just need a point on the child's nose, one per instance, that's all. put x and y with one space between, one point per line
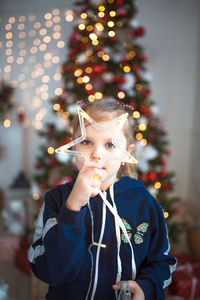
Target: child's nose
96 154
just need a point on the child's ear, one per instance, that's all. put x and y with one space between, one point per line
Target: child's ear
131 148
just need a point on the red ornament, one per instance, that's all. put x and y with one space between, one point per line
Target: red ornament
42 186
163 174
21 116
37 166
152 176
144 177
166 186
135 68
132 104
145 92
119 2
140 31
152 137
53 161
145 110
143 58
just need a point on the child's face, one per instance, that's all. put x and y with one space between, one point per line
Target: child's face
100 149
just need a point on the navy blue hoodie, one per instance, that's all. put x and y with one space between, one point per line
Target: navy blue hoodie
60 257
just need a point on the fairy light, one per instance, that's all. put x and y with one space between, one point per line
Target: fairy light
105 57
143 142
126 69
69 15
136 114
11 20
131 54
88 70
9 35
121 95
138 86
81 26
110 1
91 98
98 95
47 39
89 28
92 36
48 16
95 42
86 79
112 13
110 23
88 87
101 14
111 33
99 26
142 127
101 8
157 185
56 35
80 80
166 214
6 123
89 52
36 196
78 72
100 53
139 136
83 16
58 91
50 150
61 44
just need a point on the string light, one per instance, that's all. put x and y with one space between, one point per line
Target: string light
139 136
110 23
101 8
36 196
101 14
157 185
91 98
112 13
136 114
166 214
83 16
121 95
143 142
50 150
6 123
138 87
142 127
111 33
126 69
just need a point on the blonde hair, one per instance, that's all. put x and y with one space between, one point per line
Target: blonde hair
106 110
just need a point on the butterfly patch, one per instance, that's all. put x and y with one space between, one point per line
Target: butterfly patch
141 230
139 233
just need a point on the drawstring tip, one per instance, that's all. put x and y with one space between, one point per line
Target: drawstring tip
99 245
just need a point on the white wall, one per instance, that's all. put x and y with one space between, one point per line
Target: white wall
172 46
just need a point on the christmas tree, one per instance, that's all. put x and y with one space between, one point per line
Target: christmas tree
105 60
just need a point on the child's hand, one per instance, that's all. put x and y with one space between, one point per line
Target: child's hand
87 182
136 290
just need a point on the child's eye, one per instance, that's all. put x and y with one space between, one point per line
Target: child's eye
110 145
86 142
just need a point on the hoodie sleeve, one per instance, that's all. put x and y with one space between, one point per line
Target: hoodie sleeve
156 272
58 243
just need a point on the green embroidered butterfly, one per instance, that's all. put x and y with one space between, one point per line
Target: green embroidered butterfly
138 236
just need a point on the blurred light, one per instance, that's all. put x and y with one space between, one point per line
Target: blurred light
110 23
98 95
61 44
9 35
99 26
80 80
121 95
57 28
31 18
55 59
9 44
136 114
57 76
11 20
22 35
8 52
166 214
47 39
37 25
112 13
6 123
88 70
43 31
101 14
88 87
10 59
36 196
58 91
95 42
45 79
56 106
142 127
22 19
138 87
32 32
55 11
48 16
49 23
81 26
89 28
105 57
83 16
56 35
111 33
78 72
91 98
8 27
157 185
21 26
101 8
43 47
48 56
139 136
7 69
56 19
69 15
86 79
143 142
126 69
